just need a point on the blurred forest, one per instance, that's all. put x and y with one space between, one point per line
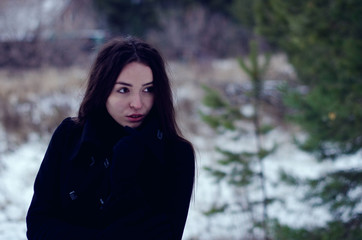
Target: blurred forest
321 39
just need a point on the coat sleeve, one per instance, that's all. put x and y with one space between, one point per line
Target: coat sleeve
181 187
43 220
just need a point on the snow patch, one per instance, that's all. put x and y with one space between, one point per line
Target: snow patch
17 175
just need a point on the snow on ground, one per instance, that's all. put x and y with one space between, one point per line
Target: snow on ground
287 157
18 170
17 175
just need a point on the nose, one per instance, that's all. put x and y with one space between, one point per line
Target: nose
136 101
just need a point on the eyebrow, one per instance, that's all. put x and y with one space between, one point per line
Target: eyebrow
130 85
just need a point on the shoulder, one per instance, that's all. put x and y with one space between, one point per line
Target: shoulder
66 128
67 123
60 138
182 153
182 146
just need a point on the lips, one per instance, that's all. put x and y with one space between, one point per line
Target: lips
135 117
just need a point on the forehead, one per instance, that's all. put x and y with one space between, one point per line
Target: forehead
135 72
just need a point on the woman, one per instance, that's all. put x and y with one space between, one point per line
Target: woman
120 169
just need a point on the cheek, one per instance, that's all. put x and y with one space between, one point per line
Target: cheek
113 103
150 101
120 105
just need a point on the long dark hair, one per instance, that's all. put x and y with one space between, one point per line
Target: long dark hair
110 61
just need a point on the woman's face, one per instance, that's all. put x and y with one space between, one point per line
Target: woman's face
132 96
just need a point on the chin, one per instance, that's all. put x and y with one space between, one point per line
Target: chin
133 125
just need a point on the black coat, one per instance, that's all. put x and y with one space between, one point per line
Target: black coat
103 181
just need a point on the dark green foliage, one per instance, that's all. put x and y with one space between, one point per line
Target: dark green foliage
321 37
341 191
241 171
218 174
265 128
263 153
242 11
289 179
213 99
254 68
238 168
334 230
221 112
131 17
323 40
137 16
332 115
216 210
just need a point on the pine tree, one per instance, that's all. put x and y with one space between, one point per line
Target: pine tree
242 169
323 41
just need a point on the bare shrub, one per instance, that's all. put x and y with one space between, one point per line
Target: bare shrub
198 33
21 119
60 34
36 102
39 53
19 54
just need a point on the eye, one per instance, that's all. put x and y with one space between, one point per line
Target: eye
123 90
149 89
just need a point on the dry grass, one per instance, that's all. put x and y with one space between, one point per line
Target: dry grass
188 77
24 94
27 84
37 100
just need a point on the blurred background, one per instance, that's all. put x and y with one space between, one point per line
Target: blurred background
268 91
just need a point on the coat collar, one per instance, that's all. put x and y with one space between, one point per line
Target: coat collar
96 131
97 136
156 144
87 141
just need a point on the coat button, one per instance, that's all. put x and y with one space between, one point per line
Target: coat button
106 163
93 161
73 195
159 134
102 203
